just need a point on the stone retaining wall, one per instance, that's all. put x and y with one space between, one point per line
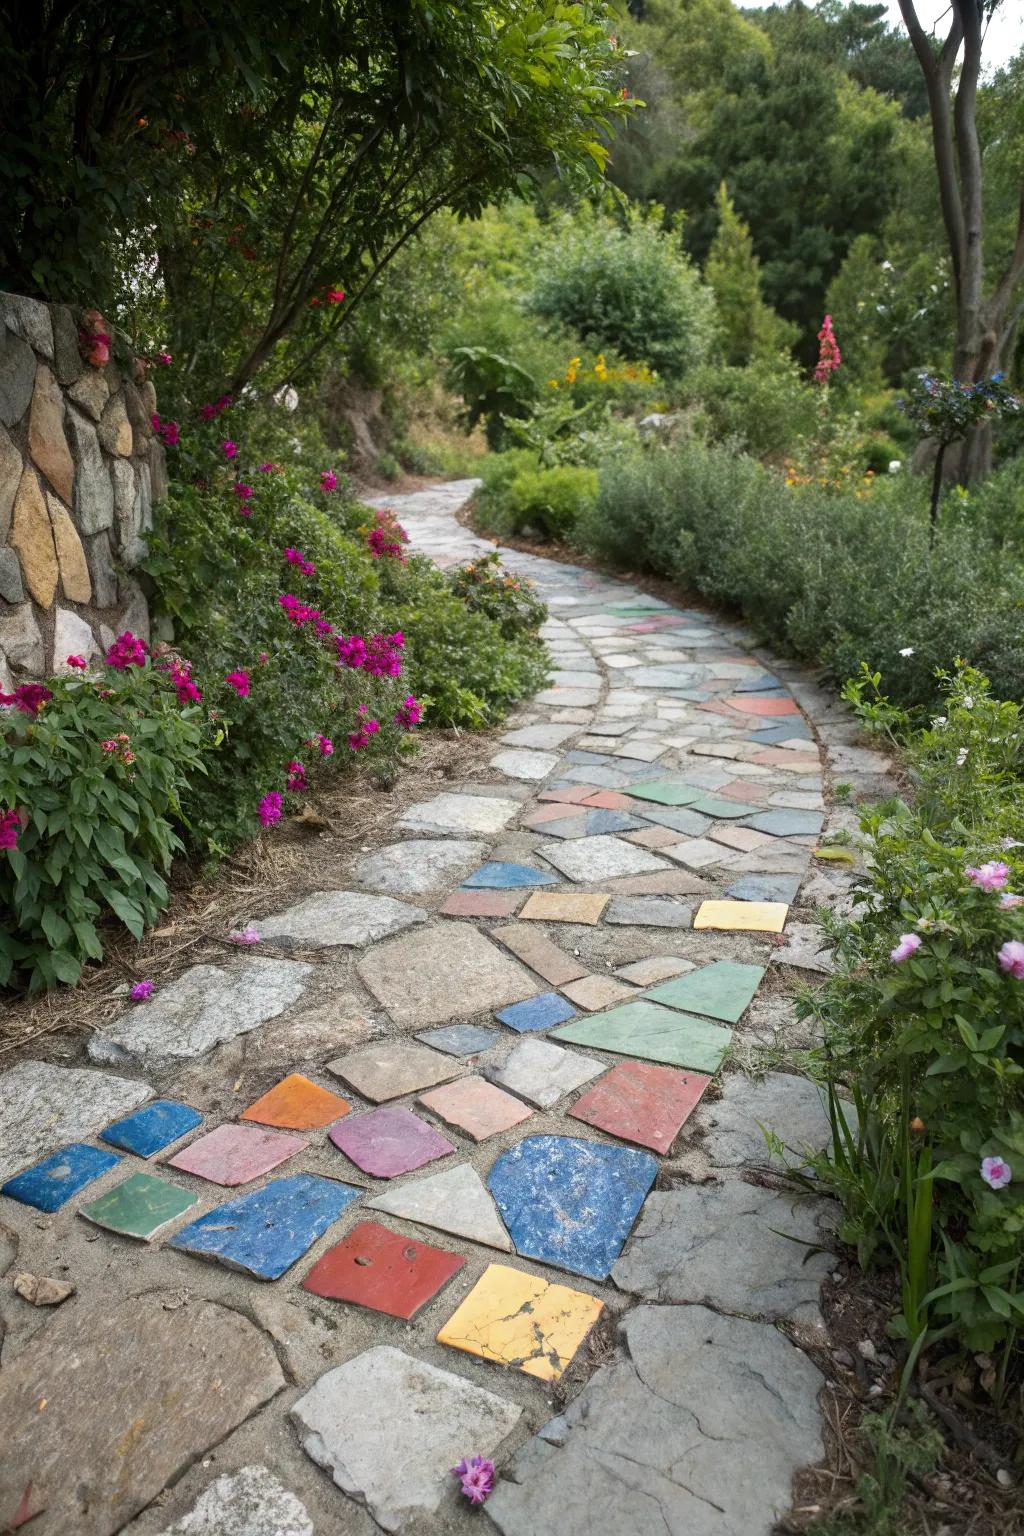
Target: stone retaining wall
80 469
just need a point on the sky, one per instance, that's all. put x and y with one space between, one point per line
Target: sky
1004 38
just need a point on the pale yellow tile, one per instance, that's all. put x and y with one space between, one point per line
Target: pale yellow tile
748 916
520 1320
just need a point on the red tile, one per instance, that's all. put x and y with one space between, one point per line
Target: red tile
544 813
482 903
574 796
376 1268
608 800
751 704
721 709
641 1102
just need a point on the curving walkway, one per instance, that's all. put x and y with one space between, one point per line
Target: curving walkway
467 1144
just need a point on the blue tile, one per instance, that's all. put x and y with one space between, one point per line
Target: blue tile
571 1203
152 1128
774 733
461 1039
506 877
51 1184
786 823
265 1232
765 888
763 684
678 819
601 821
537 1012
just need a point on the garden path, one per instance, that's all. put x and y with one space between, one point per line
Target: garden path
513 1198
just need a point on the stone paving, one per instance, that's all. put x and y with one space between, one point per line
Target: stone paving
464 1161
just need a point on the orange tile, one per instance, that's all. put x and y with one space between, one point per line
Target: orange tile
751 704
296 1104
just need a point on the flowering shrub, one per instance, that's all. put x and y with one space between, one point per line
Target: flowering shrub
924 1024
511 601
94 771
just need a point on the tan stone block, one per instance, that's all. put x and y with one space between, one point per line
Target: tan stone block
74 571
32 537
10 478
115 430
46 441
91 392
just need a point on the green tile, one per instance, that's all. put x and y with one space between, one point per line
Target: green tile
673 792
140 1206
722 990
722 810
652 1033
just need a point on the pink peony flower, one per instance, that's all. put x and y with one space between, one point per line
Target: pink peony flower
269 809
988 877
1011 959
909 942
229 449
10 826
142 991
78 662
246 935
995 1172
476 1474
239 681
328 480
127 651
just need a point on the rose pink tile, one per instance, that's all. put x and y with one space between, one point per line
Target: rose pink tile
234 1154
390 1141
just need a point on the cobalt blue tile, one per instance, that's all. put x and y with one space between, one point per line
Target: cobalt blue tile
571 1203
765 888
265 1232
602 821
51 1184
537 1012
500 876
153 1127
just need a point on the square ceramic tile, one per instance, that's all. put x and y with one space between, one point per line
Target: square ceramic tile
390 1141
297 1104
645 973
139 1206
152 1128
537 1013
53 1182
477 1107
722 990
565 907
235 1154
642 1102
392 1068
376 1268
666 792
742 916
598 991
263 1233
519 1320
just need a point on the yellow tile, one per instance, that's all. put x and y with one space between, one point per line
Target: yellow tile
752 916
517 1319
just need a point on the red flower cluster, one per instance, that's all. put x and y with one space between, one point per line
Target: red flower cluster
127 651
829 355
208 412
27 700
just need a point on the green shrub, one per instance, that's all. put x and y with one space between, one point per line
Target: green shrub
511 601
96 780
497 472
765 407
625 284
548 501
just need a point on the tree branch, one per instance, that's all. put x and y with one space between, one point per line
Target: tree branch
938 73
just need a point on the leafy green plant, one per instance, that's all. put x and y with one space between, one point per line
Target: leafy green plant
95 778
548 500
511 601
493 389
946 410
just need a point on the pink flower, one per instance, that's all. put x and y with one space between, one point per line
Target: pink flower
335 295
298 613
154 422
181 677
264 658
829 355
165 359
380 546
296 557
244 491
988 877
1011 959
909 942
328 480
408 713
267 468
108 746
127 651
171 433
207 412
78 662
351 650
1008 899
995 1172
142 991
269 809
229 449
239 681
296 776
10 826
325 746
477 1478
28 699
246 935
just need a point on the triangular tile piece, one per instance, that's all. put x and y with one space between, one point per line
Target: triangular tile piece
297 1104
654 1034
502 876
722 990
453 1201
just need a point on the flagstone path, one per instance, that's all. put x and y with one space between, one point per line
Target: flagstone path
462 1161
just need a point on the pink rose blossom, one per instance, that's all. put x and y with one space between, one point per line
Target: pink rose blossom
142 991
1011 959
909 942
269 809
988 877
995 1172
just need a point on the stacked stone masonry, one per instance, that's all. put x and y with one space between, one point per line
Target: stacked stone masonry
80 469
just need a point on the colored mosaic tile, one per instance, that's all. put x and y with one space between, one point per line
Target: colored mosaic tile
764 683
476 1106
643 1103
376 1268
565 907
461 1039
652 1033
648 912
678 819
698 853
297 1104
516 1319
234 1154
598 991
764 888
501 876
654 837
392 1068
752 704
743 839
786 823
481 904
537 1012
453 1201
608 800
571 1203
543 1073
645 973
720 809
53 1182
152 1128
599 858
666 792
263 1233
441 974
544 814
539 953
572 794
742 916
722 990
388 1142
139 1206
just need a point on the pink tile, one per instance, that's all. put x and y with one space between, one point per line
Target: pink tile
476 1106
387 1142
574 796
744 791
641 1102
234 1154
752 704
608 800
482 903
544 813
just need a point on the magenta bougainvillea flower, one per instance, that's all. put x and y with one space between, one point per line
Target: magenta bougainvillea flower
244 492
476 1475
142 991
995 1172
78 662
296 776
164 359
989 877
299 613
246 935
1011 959
239 681
408 713
335 295
229 449
909 942
181 677
127 651
10 826
269 809
296 557
328 480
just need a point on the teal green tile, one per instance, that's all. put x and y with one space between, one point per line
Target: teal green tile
672 792
644 1030
139 1206
721 810
722 990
